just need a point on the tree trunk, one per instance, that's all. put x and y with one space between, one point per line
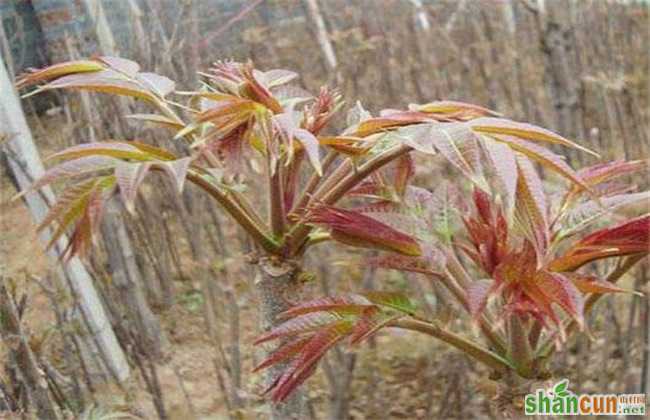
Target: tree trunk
276 285
25 165
126 276
101 27
322 36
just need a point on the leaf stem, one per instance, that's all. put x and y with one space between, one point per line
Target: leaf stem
276 199
330 195
458 275
233 202
246 222
313 182
355 177
468 347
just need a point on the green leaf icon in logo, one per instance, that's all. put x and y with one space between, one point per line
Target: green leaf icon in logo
560 389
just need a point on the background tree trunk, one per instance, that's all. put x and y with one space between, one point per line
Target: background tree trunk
276 284
25 165
126 277
322 36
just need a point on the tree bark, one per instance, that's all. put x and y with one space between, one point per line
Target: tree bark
276 284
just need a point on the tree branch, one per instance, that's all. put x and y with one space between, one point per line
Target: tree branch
468 347
253 229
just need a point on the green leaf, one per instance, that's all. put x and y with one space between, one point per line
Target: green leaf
393 300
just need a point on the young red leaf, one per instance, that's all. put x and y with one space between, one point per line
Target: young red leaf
257 91
628 238
65 202
300 324
152 152
303 366
453 111
389 121
225 115
356 229
603 172
129 177
531 207
104 81
116 149
560 290
58 70
544 157
177 171
72 168
351 303
477 296
81 205
286 351
503 160
483 206
348 145
585 214
592 284
460 147
504 128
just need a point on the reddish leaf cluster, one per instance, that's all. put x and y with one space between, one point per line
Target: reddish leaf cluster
81 205
530 286
488 233
628 238
102 74
313 327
